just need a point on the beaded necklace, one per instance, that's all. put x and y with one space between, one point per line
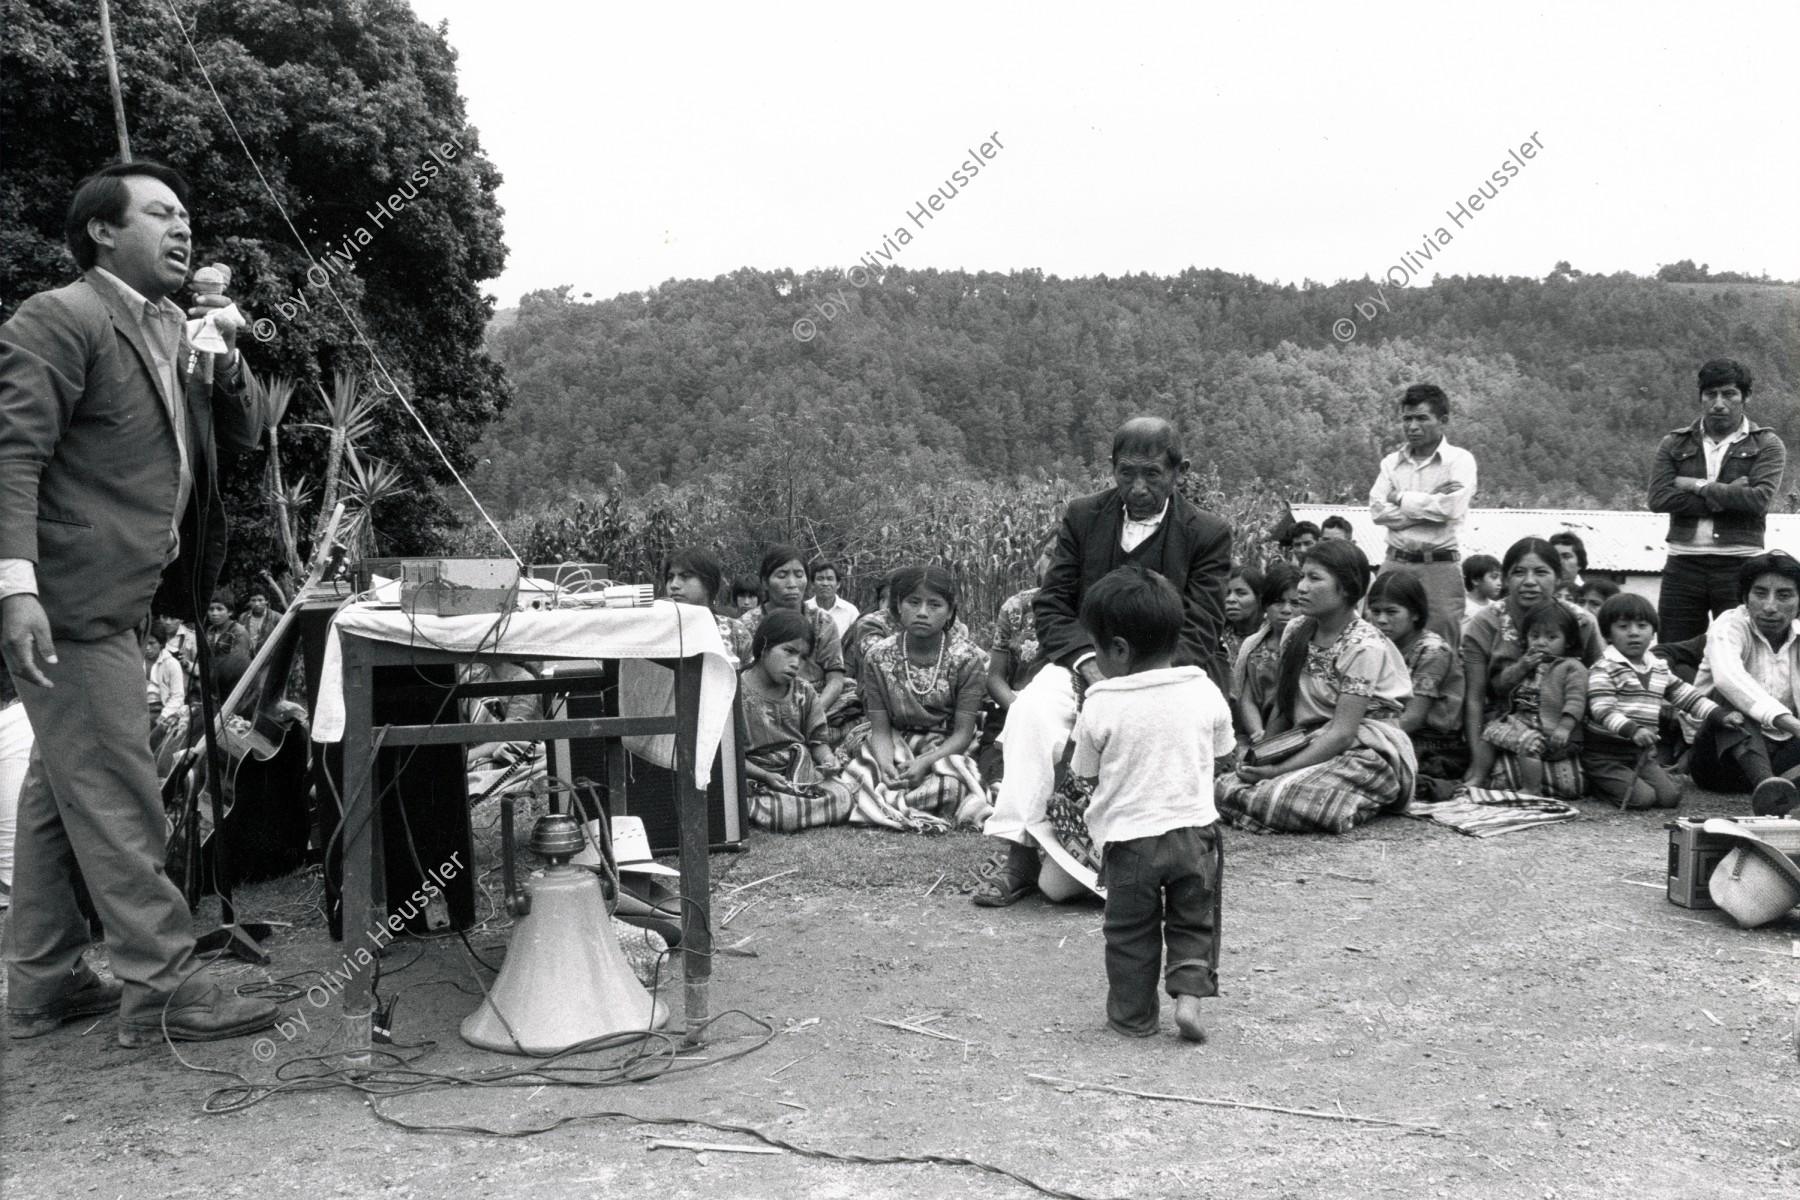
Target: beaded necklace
936 671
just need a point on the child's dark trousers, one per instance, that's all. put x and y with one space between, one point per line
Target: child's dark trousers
1161 889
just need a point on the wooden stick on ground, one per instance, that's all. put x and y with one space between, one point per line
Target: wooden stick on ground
934 884
1274 1108
795 1063
726 1147
777 875
910 1028
748 904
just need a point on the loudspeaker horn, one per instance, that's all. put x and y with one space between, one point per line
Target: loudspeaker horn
565 980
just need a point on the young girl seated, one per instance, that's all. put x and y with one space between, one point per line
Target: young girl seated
784 590
1259 658
694 576
1626 691
791 767
746 594
1397 605
1539 736
923 687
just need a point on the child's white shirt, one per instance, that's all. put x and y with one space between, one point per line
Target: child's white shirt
1150 740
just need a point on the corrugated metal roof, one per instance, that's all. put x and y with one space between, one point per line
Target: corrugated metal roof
1616 539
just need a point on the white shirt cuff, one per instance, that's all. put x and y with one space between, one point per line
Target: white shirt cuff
1084 657
17 575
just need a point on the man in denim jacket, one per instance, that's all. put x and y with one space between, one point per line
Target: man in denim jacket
1715 479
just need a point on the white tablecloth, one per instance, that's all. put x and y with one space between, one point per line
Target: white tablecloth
663 630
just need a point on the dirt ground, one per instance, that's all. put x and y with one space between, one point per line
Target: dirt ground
1533 996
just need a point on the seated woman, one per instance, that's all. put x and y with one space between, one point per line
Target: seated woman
1343 685
869 628
783 577
1752 666
923 687
792 771
1013 660
1494 648
694 576
1258 661
1243 608
1397 605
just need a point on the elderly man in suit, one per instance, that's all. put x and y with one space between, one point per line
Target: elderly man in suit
1142 518
108 476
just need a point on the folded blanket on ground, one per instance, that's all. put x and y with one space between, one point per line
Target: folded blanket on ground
1490 812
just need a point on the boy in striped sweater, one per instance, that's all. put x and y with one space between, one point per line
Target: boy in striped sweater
1626 691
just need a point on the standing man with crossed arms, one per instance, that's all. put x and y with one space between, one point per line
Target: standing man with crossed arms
1421 497
108 476
1716 479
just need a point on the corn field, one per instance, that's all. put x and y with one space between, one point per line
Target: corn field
988 535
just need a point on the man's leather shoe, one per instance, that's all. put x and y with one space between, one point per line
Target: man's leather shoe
96 997
211 1015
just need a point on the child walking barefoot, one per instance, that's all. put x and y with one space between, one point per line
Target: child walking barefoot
1147 738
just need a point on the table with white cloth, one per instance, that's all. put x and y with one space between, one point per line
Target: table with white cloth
675 694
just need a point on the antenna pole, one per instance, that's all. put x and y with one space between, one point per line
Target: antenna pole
112 76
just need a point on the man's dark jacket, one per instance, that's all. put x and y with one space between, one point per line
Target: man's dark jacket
89 464
1749 477
1192 549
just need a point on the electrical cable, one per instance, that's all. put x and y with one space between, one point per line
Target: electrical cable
367 1081
349 317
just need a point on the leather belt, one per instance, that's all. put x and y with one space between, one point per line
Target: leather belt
1423 556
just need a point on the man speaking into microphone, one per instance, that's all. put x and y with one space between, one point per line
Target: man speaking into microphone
109 420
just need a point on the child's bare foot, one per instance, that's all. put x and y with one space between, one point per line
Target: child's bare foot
1187 1018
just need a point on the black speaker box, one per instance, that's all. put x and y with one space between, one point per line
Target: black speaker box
424 806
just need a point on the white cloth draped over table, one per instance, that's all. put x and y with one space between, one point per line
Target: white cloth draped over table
646 689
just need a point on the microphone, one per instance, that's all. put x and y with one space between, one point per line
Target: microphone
211 280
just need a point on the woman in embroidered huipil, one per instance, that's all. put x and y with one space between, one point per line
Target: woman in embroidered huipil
923 687
1344 682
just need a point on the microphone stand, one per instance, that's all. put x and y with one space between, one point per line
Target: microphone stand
240 939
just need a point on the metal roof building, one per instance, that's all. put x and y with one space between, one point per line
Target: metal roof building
1623 542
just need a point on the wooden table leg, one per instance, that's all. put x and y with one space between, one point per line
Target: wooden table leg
360 844
696 884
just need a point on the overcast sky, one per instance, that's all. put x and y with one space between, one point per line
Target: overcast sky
641 143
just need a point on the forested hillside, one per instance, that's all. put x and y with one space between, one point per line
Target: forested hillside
1561 386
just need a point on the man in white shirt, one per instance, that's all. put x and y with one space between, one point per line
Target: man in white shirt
1715 479
1420 497
826 579
1752 664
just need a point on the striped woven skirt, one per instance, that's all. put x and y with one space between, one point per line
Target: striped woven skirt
1373 775
950 795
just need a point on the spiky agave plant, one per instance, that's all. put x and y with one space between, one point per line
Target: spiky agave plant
271 399
368 483
349 417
